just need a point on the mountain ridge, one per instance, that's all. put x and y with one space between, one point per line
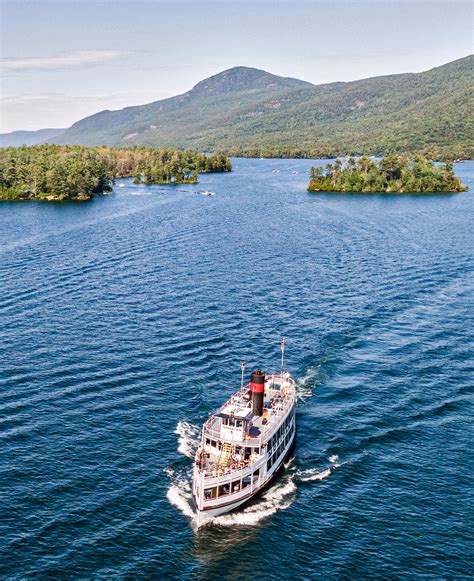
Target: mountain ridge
24 137
245 110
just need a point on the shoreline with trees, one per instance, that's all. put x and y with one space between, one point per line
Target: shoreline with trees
454 154
57 172
391 174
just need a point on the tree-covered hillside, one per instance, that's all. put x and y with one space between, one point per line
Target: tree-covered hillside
247 111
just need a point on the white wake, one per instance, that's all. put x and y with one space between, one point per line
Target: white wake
278 497
306 384
318 474
309 475
188 438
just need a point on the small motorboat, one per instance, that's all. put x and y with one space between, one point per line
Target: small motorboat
207 193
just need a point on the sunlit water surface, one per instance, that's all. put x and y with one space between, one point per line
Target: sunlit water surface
123 322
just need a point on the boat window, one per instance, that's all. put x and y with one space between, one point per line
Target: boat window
236 486
210 493
245 481
224 489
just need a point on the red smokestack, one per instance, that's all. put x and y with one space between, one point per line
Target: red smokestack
257 388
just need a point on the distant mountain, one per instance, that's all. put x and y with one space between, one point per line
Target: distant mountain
217 102
18 138
249 108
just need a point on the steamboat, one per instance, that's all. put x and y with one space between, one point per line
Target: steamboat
245 442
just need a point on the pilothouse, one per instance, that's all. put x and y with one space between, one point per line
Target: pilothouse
245 442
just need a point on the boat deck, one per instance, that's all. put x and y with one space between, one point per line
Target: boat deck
279 397
274 406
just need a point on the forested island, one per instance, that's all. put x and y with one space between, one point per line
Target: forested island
52 172
391 174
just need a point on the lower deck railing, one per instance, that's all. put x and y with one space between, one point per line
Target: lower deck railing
245 488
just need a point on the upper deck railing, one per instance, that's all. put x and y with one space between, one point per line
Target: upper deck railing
274 414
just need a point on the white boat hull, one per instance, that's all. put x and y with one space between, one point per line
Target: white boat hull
206 515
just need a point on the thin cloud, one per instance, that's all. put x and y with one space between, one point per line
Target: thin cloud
76 58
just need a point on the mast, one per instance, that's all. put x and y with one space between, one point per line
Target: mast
243 365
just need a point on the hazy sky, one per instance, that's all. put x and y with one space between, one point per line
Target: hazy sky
63 60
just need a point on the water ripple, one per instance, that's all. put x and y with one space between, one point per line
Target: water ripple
123 325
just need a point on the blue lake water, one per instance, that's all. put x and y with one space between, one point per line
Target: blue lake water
123 322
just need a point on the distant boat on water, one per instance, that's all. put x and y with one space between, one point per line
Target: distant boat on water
207 193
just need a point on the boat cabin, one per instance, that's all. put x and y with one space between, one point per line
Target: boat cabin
235 422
